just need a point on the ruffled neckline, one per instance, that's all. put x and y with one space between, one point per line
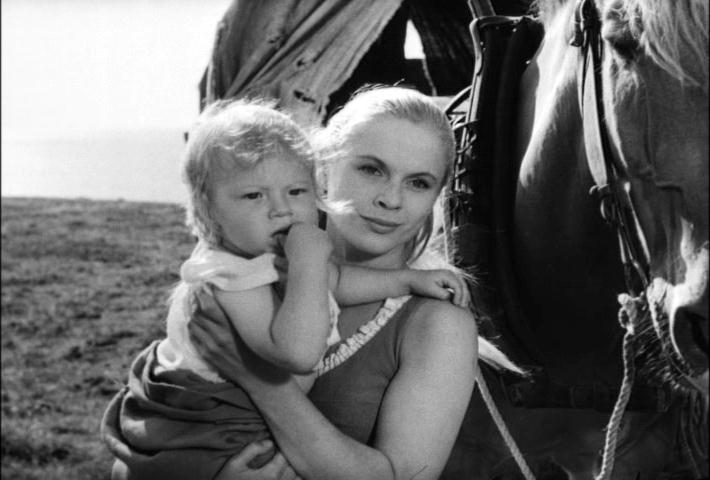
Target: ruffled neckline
364 334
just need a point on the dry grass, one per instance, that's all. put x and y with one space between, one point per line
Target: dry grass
84 285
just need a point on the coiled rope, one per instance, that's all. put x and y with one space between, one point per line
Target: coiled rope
628 318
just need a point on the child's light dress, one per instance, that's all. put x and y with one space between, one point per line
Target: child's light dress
209 268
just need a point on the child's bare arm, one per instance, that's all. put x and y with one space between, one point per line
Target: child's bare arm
353 285
292 333
251 313
268 330
302 324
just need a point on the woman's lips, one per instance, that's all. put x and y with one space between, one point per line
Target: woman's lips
379 225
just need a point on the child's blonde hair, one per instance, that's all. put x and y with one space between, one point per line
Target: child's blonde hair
235 134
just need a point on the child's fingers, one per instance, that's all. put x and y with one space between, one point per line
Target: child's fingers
451 287
281 263
466 295
281 266
458 296
461 296
442 293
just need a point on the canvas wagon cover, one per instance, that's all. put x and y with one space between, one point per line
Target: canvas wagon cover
303 51
299 51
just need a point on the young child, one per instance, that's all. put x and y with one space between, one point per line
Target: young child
249 169
254 209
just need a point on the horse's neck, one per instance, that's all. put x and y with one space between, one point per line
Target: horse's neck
553 171
564 256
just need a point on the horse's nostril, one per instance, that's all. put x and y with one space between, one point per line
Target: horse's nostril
700 330
690 337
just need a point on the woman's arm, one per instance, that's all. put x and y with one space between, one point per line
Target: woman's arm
420 416
426 401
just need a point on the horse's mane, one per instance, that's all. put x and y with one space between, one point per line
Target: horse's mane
673 33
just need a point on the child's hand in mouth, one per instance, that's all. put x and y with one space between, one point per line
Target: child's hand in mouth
280 238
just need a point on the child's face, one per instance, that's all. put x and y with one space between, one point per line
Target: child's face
255 205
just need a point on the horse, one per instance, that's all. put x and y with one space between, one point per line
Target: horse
647 102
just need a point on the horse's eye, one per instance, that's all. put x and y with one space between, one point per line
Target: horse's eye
626 46
617 32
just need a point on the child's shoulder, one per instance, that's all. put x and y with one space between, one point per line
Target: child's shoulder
204 252
227 270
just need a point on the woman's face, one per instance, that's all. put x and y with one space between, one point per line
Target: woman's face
390 177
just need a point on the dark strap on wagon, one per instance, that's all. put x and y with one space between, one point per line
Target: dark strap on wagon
481 201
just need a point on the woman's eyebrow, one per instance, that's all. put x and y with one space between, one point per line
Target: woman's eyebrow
428 175
380 163
372 158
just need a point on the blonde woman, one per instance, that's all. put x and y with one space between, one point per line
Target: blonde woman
392 406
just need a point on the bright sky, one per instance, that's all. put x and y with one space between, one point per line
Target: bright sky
97 65
96 94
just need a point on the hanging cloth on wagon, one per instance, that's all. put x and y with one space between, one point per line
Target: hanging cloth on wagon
296 51
303 52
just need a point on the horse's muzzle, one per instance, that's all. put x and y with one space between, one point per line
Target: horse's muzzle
689 334
689 316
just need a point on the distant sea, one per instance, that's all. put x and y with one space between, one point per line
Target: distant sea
96 94
140 165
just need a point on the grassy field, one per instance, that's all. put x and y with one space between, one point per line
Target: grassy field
84 285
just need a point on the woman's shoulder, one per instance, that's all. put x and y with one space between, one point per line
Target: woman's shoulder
427 307
436 322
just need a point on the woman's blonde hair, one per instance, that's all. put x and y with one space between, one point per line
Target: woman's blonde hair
231 134
404 104
428 250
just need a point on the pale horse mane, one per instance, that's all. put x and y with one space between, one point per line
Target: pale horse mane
672 33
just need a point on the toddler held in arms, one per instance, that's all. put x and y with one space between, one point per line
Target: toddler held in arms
254 208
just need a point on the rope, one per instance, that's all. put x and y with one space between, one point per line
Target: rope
500 423
627 317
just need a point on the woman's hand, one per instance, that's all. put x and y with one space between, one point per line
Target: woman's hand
441 284
237 467
219 344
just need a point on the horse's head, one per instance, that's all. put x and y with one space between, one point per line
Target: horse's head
655 94
654 82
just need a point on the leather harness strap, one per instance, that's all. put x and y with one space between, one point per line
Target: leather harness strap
481 8
612 186
613 190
